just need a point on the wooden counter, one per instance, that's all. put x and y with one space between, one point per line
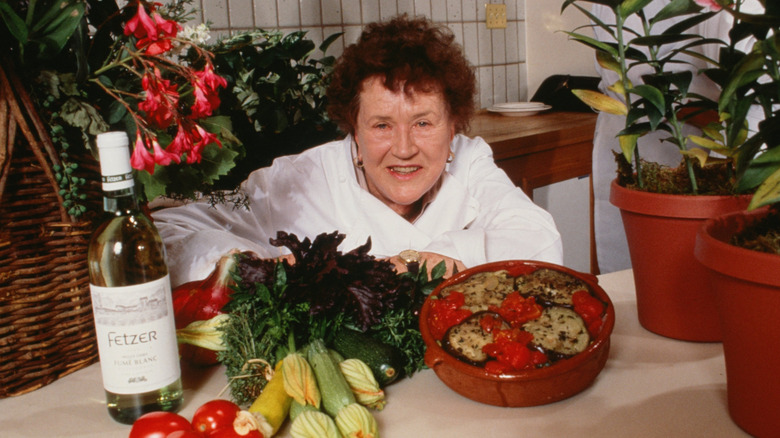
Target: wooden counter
538 150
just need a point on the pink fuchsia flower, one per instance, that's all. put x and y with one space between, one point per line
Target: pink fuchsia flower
141 159
141 25
163 157
712 5
182 143
161 100
205 89
144 26
201 139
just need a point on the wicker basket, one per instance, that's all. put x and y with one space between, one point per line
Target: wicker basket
46 326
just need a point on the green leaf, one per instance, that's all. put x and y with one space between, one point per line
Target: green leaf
652 95
676 8
629 7
16 26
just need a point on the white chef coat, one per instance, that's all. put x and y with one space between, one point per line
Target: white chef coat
611 246
477 216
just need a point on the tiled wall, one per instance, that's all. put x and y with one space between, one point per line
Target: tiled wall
498 54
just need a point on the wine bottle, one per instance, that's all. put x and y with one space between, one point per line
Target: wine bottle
131 297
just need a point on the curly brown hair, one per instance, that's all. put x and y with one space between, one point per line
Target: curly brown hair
412 53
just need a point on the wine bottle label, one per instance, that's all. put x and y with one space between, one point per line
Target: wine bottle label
136 336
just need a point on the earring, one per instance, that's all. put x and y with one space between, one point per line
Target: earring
451 157
357 162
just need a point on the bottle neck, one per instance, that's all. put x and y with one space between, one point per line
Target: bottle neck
120 202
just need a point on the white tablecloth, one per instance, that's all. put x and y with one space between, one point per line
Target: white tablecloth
650 387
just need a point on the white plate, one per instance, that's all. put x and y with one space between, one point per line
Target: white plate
513 106
519 109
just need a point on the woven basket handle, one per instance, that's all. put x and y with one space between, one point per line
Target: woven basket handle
14 116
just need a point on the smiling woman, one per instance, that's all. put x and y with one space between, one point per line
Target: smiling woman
403 176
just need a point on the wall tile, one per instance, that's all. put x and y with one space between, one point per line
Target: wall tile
351 12
457 30
387 9
484 39
512 42
469 10
438 11
512 82
331 11
422 7
311 13
370 10
289 13
454 11
471 42
405 7
522 89
485 78
521 9
216 11
499 84
241 14
498 42
265 14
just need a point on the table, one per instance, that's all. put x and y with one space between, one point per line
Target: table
651 386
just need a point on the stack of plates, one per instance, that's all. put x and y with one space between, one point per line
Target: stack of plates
517 109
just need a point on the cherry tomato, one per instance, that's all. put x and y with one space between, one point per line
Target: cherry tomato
185 434
158 425
229 432
214 415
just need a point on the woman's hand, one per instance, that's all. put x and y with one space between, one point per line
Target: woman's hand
430 259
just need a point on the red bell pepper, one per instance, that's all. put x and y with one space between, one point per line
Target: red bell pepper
446 312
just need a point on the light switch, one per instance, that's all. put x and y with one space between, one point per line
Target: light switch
495 16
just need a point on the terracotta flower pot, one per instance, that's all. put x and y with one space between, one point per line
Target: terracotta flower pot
747 288
673 298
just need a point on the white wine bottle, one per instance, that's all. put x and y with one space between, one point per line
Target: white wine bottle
131 297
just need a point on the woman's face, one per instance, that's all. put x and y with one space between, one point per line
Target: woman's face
403 141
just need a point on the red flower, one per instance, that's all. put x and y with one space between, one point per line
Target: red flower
163 157
182 143
201 139
141 159
205 88
153 32
141 25
154 47
161 100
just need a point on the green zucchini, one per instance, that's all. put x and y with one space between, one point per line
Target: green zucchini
385 361
334 389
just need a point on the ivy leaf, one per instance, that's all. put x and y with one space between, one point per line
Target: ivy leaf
83 116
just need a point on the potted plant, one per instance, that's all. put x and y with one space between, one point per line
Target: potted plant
742 249
663 207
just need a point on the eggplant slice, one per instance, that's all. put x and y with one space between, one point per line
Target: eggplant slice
483 289
466 339
550 287
560 331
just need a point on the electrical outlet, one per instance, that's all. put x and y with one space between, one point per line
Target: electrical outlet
495 16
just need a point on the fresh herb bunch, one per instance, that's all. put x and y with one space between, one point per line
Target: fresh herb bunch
277 307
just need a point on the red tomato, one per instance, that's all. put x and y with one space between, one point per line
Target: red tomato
446 312
158 425
214 415
229 432
185 434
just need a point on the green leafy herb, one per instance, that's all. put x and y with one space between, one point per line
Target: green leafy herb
277 307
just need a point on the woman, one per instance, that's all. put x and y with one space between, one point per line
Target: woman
403 176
